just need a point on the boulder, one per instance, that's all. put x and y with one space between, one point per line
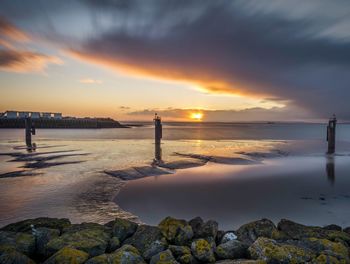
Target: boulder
144 237
9 255
22 242
164 257
179 250
228 236
203 229
68 255
123 228
25 225
187 259
273 252
231 250
203 251
347 230
333 227
113 244
154 248
241 261
125 255
84 226
176 231
92 241
42 236
298 231
248 233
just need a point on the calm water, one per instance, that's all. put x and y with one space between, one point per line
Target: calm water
304 185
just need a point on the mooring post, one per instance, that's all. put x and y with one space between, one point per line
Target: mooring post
331 134
30 130
157 137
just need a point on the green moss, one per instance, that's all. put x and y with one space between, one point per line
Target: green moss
68 256
176 231
203 250
8 254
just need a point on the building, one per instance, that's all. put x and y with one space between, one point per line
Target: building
34 115
46 115
23 114
11 114
57 115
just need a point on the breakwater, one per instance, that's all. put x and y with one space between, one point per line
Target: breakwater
173 241
62 123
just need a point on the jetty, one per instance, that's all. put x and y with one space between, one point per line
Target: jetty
16 119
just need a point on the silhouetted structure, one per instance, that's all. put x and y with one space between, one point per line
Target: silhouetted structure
30 130
158 133
331 134
330 169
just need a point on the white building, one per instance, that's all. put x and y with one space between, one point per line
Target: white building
23 114
46 115
11 114
35 115
57 115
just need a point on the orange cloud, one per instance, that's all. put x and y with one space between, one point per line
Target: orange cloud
12 32
90 81
25 61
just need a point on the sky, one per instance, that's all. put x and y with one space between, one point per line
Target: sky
228 60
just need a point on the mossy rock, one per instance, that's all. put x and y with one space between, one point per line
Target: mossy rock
176 231
232 249
298 231
164 257
125 255
154 248
42 236
203 229
202 250
123 228
179 250
68 255
332 227
25 225
94 242
272 252
241 261
22 242
144 237
248 233
83 226
9 255
113 244
326 259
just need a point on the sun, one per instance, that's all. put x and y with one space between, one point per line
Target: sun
197 116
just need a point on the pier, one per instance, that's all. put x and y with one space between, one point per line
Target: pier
332 123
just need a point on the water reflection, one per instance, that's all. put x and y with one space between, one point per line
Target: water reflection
330 169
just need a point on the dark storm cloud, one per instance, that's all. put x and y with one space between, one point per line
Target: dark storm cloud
298 51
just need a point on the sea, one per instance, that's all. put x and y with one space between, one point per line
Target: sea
288 174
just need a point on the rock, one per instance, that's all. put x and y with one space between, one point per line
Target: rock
68 255
123 228
164 257
42 236
92 241
179 250
155 247
22 242
204 230
25 226
113 244
196 224
333 227
144 237
231 250
220 234
84 226
248 233
187 259
325 247
176 231
8 255
273 252
347 230
297 231
202 250
241 261
125 255
228 237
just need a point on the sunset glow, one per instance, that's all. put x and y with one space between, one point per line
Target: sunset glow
197 116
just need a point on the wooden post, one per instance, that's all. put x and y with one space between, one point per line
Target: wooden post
158 133
331 134
29 131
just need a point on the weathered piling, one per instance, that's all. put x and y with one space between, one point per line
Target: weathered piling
29 131
158 133
331 134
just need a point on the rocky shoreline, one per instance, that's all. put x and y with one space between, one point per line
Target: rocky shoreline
52 240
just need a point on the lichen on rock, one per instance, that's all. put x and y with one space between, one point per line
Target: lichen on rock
164 257
202 250
231 250
68 255
176 231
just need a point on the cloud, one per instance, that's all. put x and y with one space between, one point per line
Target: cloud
255 114
12 32
90 81
25 61
295 51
